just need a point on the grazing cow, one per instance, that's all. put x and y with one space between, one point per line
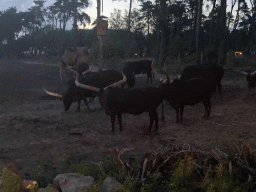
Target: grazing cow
134 101
189 92
98 79
72 58
140 66
251 79
209 69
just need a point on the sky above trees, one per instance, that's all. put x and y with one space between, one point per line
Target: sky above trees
108 6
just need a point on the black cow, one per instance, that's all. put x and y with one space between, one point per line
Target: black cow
251 79
134 101
140 66
189 92
209 69
98 80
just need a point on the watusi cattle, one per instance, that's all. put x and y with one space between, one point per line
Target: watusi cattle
134 67
251 79
134 101
73 58
189 92
209 69
98 80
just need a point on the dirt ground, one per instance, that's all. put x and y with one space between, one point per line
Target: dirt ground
35 129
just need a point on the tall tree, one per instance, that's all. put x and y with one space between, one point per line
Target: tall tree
10 24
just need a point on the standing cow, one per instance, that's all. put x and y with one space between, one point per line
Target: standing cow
209 69
134 67
189 92
134 101
75 60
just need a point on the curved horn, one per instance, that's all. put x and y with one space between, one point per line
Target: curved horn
117 83
156 73
53 94
139 74
167 80
88 87
90 68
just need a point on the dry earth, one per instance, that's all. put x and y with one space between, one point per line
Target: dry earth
35 130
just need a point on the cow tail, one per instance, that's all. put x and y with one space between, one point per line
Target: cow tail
163 111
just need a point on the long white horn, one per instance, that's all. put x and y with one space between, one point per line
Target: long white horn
70 69
139 74
53 94
117 83
90 68
156 73
88 87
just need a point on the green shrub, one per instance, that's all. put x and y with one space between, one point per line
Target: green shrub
184 176
11 182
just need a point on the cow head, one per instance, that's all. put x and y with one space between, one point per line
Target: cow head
67 100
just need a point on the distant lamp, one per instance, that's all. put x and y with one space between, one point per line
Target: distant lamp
102 27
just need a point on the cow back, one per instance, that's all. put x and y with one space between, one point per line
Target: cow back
189 92
134 101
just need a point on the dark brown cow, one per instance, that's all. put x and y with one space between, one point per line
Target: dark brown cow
189 92
134 101
134 67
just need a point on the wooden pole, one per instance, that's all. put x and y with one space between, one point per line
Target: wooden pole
99 37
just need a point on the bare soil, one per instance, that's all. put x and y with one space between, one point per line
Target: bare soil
35 129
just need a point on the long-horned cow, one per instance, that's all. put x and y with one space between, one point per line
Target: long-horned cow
134 101
98 79
75 60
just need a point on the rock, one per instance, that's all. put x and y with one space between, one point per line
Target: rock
110 185
72 182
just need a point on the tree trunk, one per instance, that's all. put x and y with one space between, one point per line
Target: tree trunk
222 32
198 29
163 31
129 16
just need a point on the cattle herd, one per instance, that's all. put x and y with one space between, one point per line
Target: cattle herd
118 95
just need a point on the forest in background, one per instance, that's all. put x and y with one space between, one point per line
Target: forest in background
160 29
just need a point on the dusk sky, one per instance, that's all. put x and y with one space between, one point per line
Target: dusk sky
108 6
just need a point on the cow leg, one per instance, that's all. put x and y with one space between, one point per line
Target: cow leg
156 120
78 105
181 112
147 79
163 111
177 114
152 119
207 106
86 103
113 118
119 117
